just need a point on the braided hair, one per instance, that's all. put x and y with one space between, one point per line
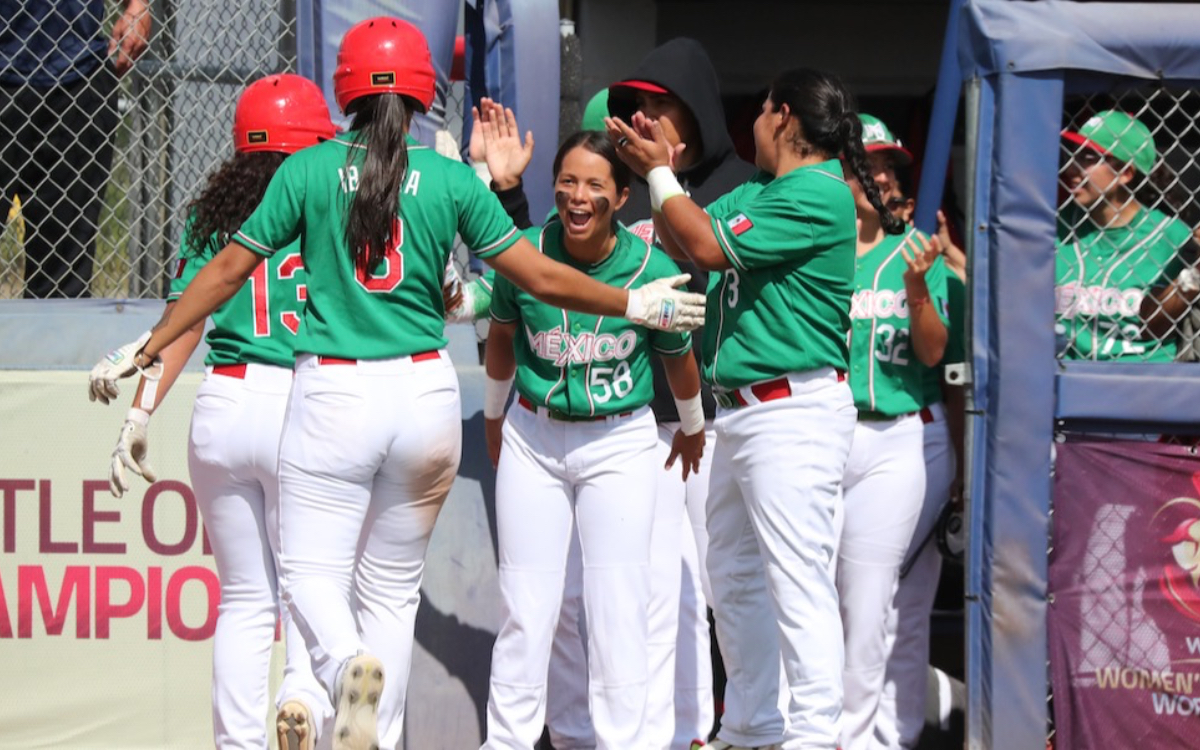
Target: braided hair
829 126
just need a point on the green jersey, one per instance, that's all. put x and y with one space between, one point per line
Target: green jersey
784 305
885 374
259 323
1101 277
587 365
394 309
956 341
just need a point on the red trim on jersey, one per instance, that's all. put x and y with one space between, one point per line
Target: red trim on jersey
231 371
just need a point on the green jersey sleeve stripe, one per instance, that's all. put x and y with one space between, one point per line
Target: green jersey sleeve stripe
499 319
255 247
496 244
641 269
726 247
687 347
483 282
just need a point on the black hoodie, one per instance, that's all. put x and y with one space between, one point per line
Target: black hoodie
682 67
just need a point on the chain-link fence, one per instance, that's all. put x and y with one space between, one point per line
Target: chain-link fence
97 171
1128 219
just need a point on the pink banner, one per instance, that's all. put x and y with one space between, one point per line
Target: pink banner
1124 622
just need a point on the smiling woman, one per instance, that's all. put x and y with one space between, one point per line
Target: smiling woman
578 451
1121 285
590 186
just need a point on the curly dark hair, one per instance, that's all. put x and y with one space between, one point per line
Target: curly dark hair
233 191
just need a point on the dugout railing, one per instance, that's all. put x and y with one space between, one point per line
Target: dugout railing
1029 70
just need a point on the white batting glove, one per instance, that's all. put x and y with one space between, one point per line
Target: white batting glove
444 144
117 364
130 453
660 305
465 312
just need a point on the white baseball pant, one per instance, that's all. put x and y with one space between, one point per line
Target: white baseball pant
567 716
233 457
369 452
776 477
901 715
883 491
601 474
679 704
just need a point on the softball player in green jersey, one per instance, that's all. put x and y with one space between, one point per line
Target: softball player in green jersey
901 713
579 452
1114 253
775 352
373 436
233 450
898 332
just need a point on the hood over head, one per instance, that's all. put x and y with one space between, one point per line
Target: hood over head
681 67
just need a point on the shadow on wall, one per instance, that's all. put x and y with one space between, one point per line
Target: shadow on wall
460 647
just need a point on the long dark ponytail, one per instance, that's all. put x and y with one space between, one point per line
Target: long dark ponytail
231 194
382 122
829 126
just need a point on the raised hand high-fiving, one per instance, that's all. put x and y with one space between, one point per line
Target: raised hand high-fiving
507 156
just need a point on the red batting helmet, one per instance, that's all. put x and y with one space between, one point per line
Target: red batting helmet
384 56
282 112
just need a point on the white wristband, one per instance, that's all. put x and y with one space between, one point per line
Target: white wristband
495 397
691 414
138 416
481 170
1188 281
663 186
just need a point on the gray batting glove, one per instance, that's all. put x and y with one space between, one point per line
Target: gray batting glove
117 364
130 453
660 305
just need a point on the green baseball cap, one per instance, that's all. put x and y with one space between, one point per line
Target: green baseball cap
595 111
1118 135
877 137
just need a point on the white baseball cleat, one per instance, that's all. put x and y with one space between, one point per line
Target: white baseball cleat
293 726
723 745
355 725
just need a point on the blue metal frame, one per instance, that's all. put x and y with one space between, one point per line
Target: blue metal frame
941 127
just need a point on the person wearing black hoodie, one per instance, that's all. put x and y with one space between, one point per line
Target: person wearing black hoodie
676 85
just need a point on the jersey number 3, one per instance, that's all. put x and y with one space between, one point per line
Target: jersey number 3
390 271
261 293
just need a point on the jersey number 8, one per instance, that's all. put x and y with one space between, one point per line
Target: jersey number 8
390 271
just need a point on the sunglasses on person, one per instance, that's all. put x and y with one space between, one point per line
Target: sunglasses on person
1086 157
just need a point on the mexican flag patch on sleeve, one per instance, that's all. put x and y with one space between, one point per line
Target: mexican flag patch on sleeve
740 224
